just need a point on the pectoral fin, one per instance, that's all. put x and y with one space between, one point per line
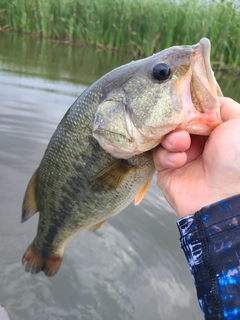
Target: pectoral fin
111 177
142 192
96 226
29 207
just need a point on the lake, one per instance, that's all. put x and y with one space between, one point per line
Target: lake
133 267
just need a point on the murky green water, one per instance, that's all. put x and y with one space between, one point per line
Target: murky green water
133 267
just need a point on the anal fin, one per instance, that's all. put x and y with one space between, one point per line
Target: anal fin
96 226
29 207
142 192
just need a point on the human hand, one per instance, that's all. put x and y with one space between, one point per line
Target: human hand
196 171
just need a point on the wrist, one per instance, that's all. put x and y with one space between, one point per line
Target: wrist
205 203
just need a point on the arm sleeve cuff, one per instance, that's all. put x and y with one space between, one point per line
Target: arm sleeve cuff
210 240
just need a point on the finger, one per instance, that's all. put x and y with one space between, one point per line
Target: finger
229 109
163 159
168 160
177 141
196 148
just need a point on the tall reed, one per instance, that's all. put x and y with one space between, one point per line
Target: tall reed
138 26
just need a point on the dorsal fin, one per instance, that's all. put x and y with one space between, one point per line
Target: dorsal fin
29 207
111 177
142 192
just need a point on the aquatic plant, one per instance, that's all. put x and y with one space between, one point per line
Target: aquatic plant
138 26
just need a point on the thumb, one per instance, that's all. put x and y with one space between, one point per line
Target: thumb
229 109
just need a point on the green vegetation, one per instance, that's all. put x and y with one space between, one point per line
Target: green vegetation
138 26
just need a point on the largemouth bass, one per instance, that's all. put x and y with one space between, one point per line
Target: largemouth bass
99 158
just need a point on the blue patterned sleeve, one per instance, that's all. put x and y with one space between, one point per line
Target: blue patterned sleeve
211 242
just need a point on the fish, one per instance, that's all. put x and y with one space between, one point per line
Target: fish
99 159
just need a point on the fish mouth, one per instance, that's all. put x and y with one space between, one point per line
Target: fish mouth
199 92
204 87
205 45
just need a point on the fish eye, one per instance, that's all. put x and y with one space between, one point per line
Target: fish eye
161 71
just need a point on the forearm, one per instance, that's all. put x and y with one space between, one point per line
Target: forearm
211 242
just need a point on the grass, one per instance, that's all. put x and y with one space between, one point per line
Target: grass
137 26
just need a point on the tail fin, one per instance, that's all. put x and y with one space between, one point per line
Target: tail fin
35 262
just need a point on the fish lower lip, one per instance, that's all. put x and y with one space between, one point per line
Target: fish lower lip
203 49
206 56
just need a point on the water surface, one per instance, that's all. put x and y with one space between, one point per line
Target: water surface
133 267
